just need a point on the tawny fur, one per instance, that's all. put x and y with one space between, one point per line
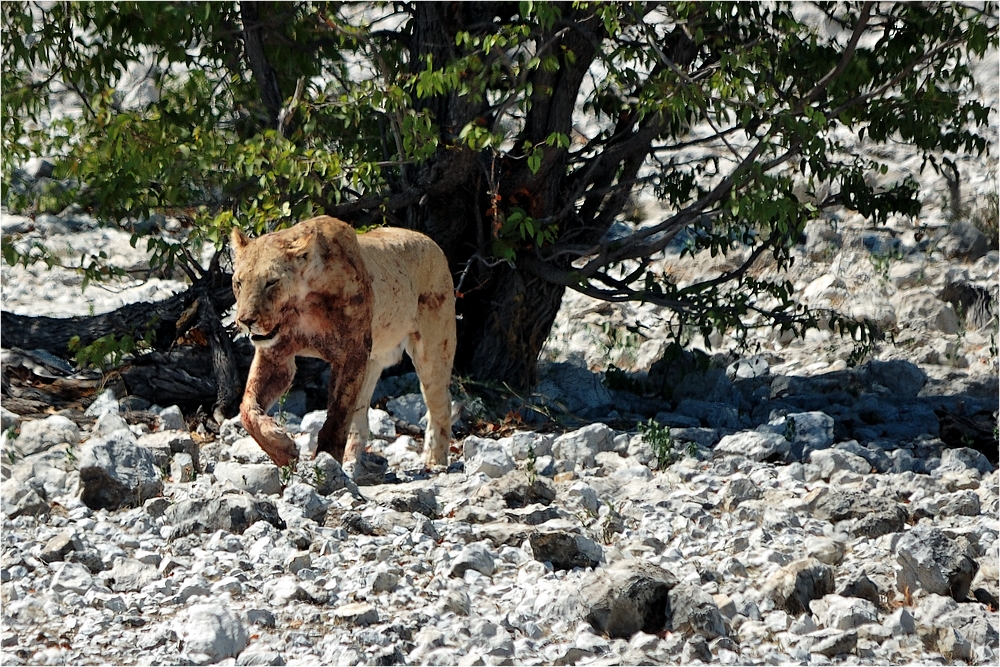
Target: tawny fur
358 301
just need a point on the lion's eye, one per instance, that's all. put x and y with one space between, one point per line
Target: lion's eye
237 284
270 283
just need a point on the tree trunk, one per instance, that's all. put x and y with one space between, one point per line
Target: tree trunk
505 327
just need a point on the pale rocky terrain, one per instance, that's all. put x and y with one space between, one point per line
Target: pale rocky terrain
800 509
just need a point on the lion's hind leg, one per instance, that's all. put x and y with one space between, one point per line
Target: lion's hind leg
432 349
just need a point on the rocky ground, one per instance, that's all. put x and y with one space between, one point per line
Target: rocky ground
784 506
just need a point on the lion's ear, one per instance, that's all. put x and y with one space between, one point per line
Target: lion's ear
239 240
301 246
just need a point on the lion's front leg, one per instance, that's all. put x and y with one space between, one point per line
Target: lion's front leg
348 366
269 378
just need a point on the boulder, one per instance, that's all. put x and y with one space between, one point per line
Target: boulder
565 550
38 435
627 597
870 516
927 560
232 512
902 378
116 472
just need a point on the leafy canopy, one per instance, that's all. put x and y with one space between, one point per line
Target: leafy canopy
746 120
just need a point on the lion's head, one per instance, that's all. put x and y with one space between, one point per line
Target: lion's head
268 281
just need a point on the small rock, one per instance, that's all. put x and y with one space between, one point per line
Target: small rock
486 456
129 574
57 548
870 516
797 584
259 658
369 469
285 589
72 577
901 622
831 643
694 610
410 408
966 457
858 585
211 633
105 402
356 613
806 431
171 419
380 424
297 560
565 550
754 445
166 443
305 497
22 500
902 378
254 478
386 579
182 469
842 613
960 503
738 490
830 461
748 368
233 513
326 475
473 557
582 445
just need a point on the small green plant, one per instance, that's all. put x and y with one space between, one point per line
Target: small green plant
108 351
320 475
789 429
286 473
660 440
530 466
71 455
882 263
282 417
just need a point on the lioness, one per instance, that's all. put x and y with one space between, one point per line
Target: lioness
319 289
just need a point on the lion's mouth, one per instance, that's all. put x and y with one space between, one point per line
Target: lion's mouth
263 338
